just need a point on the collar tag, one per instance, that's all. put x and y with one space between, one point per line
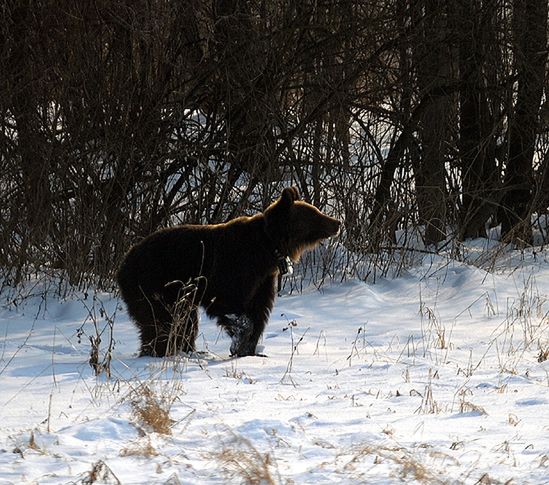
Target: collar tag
285 265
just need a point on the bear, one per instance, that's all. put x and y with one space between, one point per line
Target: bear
228 269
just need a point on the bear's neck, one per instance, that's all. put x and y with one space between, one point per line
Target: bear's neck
279 254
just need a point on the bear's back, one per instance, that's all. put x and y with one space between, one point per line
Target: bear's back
175 253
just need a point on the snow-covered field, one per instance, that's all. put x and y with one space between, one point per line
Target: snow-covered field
437 376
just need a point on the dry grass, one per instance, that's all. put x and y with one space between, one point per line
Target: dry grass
469 407
409 466
31 444
100 473
543 353
465 405
241 462
428 404
151 411
140 449
433 331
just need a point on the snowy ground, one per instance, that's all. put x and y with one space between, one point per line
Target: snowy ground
432 377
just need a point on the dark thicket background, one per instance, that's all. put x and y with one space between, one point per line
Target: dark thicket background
121 116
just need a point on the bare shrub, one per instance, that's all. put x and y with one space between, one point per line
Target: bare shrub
379 111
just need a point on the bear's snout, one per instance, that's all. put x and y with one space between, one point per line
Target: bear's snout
329 227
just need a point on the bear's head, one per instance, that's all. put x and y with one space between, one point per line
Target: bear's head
294 226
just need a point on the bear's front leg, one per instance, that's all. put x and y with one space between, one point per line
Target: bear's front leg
245 328
240 329
257 315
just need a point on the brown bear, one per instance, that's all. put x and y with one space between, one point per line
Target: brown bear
229 269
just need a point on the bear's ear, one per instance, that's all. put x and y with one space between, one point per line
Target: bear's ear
289 195
280 207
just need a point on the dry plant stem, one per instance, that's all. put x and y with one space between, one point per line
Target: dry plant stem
100 473
428 404
288 372
354 349
103 324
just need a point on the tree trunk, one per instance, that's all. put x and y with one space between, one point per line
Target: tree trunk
476 131
248 88
530 38
433 64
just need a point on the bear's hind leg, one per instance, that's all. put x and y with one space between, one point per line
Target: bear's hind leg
168 331
183 332
154 340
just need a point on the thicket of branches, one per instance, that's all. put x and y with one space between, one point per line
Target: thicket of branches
121 116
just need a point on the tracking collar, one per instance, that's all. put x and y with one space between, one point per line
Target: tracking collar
284 263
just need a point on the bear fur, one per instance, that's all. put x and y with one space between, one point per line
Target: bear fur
228 269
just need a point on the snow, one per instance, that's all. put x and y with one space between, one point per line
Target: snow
430 377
